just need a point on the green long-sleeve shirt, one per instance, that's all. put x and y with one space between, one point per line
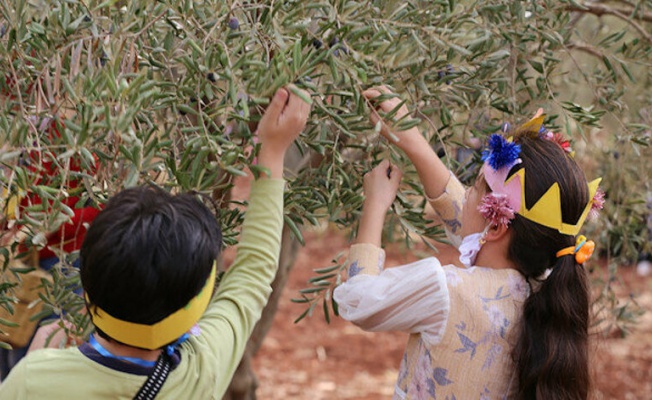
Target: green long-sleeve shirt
208 360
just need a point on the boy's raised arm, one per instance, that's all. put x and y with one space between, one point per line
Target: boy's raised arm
246 286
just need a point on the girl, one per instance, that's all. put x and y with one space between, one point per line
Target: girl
514 322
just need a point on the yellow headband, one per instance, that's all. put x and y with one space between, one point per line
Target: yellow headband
160 333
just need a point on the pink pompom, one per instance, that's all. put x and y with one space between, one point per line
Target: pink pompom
598 203
495 208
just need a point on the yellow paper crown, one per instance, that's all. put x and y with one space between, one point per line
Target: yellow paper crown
547 210
533 125
156 335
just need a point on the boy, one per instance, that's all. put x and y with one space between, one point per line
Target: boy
148 270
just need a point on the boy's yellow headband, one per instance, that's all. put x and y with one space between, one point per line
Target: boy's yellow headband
157 335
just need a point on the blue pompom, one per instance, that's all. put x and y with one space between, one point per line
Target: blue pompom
500 152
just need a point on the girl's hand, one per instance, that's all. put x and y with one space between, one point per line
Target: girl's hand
380 187
433 173
400 138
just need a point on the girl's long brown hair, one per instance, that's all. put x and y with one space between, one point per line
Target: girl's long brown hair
551 353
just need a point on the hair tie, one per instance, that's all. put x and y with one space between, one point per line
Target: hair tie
582 250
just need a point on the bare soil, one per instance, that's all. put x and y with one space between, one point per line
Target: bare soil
314 360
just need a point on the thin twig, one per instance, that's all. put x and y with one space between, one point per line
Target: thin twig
585 48
599 11
149 24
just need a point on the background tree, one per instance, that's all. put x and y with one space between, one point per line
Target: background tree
170 91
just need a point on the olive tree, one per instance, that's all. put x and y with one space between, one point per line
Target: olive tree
169 92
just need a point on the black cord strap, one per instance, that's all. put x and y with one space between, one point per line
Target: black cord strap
156 379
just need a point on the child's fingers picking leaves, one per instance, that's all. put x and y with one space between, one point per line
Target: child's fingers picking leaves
269 122
284 119
391 106
297 109
381 185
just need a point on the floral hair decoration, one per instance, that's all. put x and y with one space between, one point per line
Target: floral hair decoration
500 152
598 203
560 140
495 208
508 194
500 205
545 133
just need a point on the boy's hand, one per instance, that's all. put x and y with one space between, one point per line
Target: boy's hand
283 120
380 186
53 336
397 137
281 124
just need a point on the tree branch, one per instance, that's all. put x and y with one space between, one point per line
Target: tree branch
625 15
585 48
600 10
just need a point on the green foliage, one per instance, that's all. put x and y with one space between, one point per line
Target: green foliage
625 228
169 92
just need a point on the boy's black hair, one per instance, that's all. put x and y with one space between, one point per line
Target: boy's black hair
148 253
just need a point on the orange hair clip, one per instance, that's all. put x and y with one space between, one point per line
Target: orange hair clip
583 249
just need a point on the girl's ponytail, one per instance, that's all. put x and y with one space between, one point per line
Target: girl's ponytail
551 354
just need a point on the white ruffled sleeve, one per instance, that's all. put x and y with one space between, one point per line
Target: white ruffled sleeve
411 298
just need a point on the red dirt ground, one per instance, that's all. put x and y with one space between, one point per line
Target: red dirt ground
313 360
